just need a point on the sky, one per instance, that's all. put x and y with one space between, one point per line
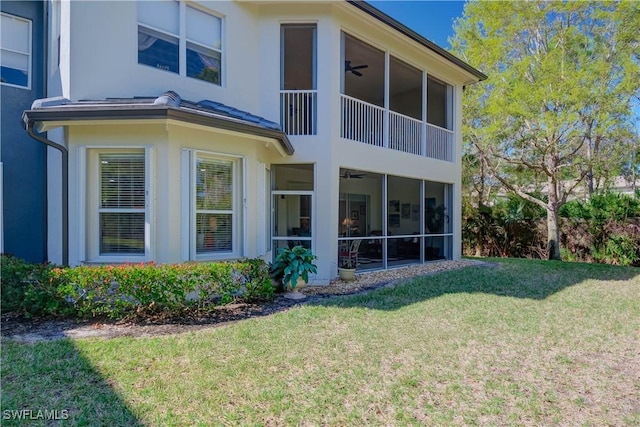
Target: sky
431 19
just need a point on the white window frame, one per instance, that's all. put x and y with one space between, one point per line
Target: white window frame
28 54
90 188
189 211
183 41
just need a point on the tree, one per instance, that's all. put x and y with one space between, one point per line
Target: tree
562 79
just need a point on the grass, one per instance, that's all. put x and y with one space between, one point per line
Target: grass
525 343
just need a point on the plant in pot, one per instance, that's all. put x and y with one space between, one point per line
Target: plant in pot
292 266
347 269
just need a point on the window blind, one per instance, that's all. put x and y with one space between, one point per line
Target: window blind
214 205
163 15
122 203
15 50
203 28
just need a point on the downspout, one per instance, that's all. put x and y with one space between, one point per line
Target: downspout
65 185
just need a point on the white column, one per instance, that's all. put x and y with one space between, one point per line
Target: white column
423 128
385 138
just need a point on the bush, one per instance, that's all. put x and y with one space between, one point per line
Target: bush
120 290
25 288
605 229
508 228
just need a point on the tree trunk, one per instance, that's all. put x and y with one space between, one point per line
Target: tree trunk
589 177
553 231
553 235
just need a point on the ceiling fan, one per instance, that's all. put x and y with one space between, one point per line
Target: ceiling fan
349 175
354 68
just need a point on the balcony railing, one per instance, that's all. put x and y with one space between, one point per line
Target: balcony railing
298 112
405 133
439 143
368 123
361 121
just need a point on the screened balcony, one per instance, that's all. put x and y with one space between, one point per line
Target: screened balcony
384 101
389 103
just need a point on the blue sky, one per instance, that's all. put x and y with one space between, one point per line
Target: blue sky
431 19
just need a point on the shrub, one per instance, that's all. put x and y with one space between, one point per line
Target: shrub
509 228
25 288
120 290
605 229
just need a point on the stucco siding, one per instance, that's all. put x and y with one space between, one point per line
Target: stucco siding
24 159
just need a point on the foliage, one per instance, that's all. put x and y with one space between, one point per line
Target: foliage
120 290
292 263
619 249
606 229
508 228
26 289
556 112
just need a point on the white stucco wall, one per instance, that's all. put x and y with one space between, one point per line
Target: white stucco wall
166 174
99 60
103 56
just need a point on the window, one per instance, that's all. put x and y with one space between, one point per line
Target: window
15 51
213 206
122 204
160 35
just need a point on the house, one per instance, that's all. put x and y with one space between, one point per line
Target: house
207 130
22 160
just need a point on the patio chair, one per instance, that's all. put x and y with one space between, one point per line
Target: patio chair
348 253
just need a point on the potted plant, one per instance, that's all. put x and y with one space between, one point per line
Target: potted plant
347 269
292 266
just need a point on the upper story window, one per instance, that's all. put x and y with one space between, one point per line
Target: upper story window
193 49
15 51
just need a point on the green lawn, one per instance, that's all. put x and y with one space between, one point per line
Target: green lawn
525 343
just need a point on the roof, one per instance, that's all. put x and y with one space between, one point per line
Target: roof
386 19
169 105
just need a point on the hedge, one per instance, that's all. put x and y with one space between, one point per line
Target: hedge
117 291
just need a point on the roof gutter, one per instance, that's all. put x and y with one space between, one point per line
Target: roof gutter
65 183
103 112
386 19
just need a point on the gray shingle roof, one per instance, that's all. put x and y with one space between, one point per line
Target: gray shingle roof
167 105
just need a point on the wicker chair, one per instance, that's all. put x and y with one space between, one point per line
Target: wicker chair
348 253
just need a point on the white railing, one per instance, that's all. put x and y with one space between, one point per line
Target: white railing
405 133
361 121
364 122
439 143
298 112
